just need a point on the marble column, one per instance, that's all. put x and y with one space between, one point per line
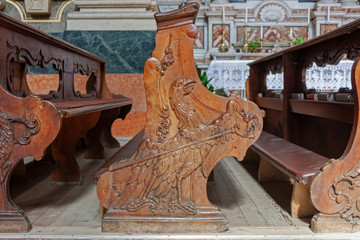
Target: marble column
130 15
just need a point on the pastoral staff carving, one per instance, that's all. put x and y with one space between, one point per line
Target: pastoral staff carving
162 187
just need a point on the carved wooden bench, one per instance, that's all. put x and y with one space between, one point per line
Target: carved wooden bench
294 161
161 186
329 130
80 114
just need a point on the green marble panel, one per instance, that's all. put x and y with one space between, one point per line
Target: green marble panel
125 51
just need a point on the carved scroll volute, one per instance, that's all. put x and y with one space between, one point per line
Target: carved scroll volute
336 189
28 126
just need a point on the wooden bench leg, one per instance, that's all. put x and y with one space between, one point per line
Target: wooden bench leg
95 148
12 218
19 173
107 138
301 205
267 172
63 148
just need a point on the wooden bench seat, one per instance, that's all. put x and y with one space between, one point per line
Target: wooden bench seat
59 116
327 128
74 108
294 161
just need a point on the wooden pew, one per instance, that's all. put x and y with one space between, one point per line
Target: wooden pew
327 131
158 183
80 114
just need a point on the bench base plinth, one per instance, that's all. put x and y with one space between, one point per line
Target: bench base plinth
323 223
206 220
301 205
11 222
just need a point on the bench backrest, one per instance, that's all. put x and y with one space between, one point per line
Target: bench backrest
324 127
23 45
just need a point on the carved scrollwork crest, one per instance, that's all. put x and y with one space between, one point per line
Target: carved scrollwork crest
8 139
332 58
16 54
276 68
91 82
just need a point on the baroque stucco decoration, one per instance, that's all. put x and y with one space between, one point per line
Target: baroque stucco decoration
272 12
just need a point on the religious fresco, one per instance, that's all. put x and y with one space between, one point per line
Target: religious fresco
199 41
218 31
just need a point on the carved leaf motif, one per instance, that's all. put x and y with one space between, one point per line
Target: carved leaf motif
168 59
165 123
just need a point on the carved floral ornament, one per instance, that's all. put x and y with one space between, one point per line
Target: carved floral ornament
273 13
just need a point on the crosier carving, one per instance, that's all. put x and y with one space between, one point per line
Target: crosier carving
8 139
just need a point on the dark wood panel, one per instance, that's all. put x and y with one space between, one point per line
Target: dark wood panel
338 111
271 103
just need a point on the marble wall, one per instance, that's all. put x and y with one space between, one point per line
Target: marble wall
125 51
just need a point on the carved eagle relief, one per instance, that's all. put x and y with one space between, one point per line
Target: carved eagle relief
188 131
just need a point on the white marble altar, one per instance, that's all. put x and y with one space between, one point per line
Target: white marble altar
232 75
